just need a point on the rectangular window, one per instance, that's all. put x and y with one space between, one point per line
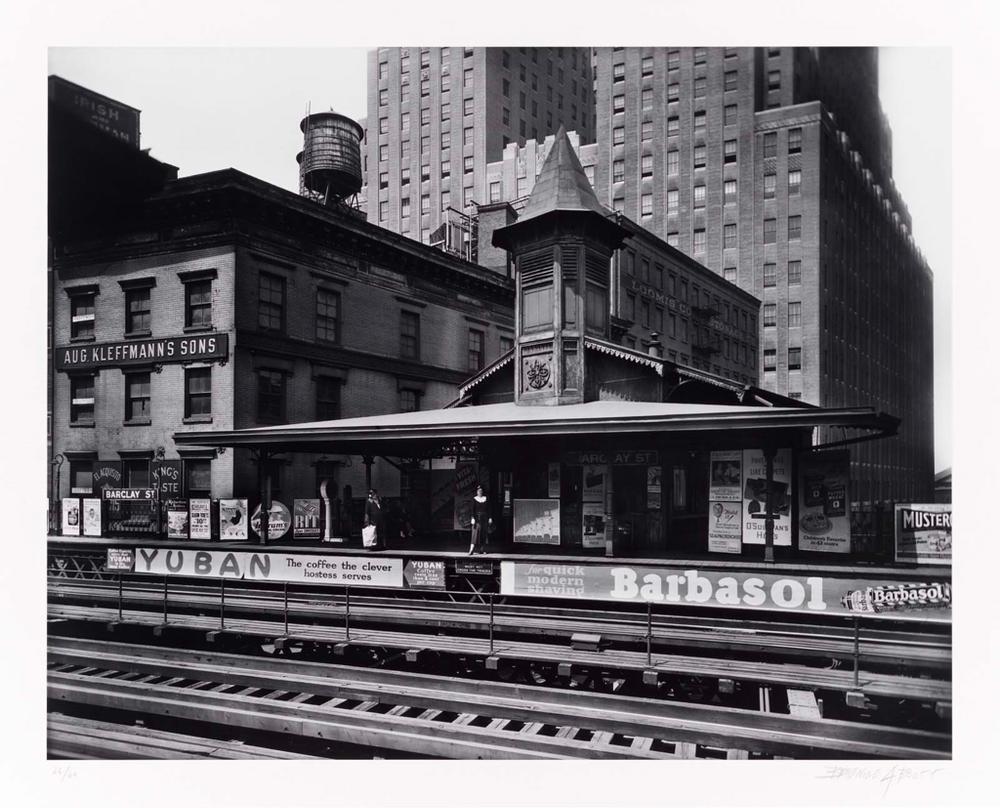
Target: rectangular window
446 111
729 237
647 98
699 156
383 97
198 392
729 115
468 164
770 231
522 100
774 80
795 359
770 183
770 359
729 80
618 72
673 59
270 396
409 400
327 315
618 103
383 152
494 192
729 152
700 86
673 162
467 136
673 125
505 116
467 79
699 120
646 205
327 398
770 274
673 238
198 477
699 196
409 335
446 139
81 314
404 175
647 165
618 135
647 65
506 344
729 192
136 472
81 400
618 171
271 302
646 131
383 180
673 91
794 182
383 69
673 201
770 144
445 169
794 315
137 311
137 409
81 477
794 272
699 240
795 140
477 340
404 207
729 274
404 121
700 56
770 314
468 106
383 210
794 228
198 304
425 203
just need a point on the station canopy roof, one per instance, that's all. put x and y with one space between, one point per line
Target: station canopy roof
416 433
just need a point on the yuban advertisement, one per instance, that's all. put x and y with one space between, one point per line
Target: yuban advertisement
729 590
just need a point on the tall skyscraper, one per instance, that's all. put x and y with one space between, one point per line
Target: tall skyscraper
437 116
773 167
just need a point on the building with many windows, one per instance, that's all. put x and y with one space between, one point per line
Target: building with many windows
220 301
772 167
438 116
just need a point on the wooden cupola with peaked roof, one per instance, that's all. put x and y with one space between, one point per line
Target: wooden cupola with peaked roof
561 247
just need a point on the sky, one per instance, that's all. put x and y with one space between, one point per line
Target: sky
204 109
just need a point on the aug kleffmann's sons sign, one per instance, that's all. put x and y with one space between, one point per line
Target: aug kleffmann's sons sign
143 352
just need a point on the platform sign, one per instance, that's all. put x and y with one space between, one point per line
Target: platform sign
71 516
536 521
923 533
233 519
824 512
727 589
306 519
200 514
756 495
267 566
421 574
91 517
724 527
129 494
468 566
120 559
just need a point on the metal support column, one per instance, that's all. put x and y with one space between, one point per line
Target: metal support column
222 603
649 633
769 452
857 653
347 612
491 624
119 597
165 579
286 608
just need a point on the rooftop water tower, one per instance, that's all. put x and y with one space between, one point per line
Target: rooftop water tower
330 160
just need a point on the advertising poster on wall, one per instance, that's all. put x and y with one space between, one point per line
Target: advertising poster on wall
233 520
305 519
200 521
824 514
756 495
91 517
724 527
466 480
178 522
593 524
71 516
725 477
594 481
279 520
536 521
923 534
554 480
654 487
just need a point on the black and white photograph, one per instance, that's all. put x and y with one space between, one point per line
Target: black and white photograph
411 401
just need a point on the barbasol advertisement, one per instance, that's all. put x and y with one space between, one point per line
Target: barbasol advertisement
811 594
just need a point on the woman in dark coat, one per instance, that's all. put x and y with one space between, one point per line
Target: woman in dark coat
374 515
480 520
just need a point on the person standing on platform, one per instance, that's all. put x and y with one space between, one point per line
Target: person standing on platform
481 520
374 515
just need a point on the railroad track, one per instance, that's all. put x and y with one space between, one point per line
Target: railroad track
902 649
444 716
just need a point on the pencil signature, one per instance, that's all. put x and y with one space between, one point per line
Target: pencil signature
63 773
886 776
